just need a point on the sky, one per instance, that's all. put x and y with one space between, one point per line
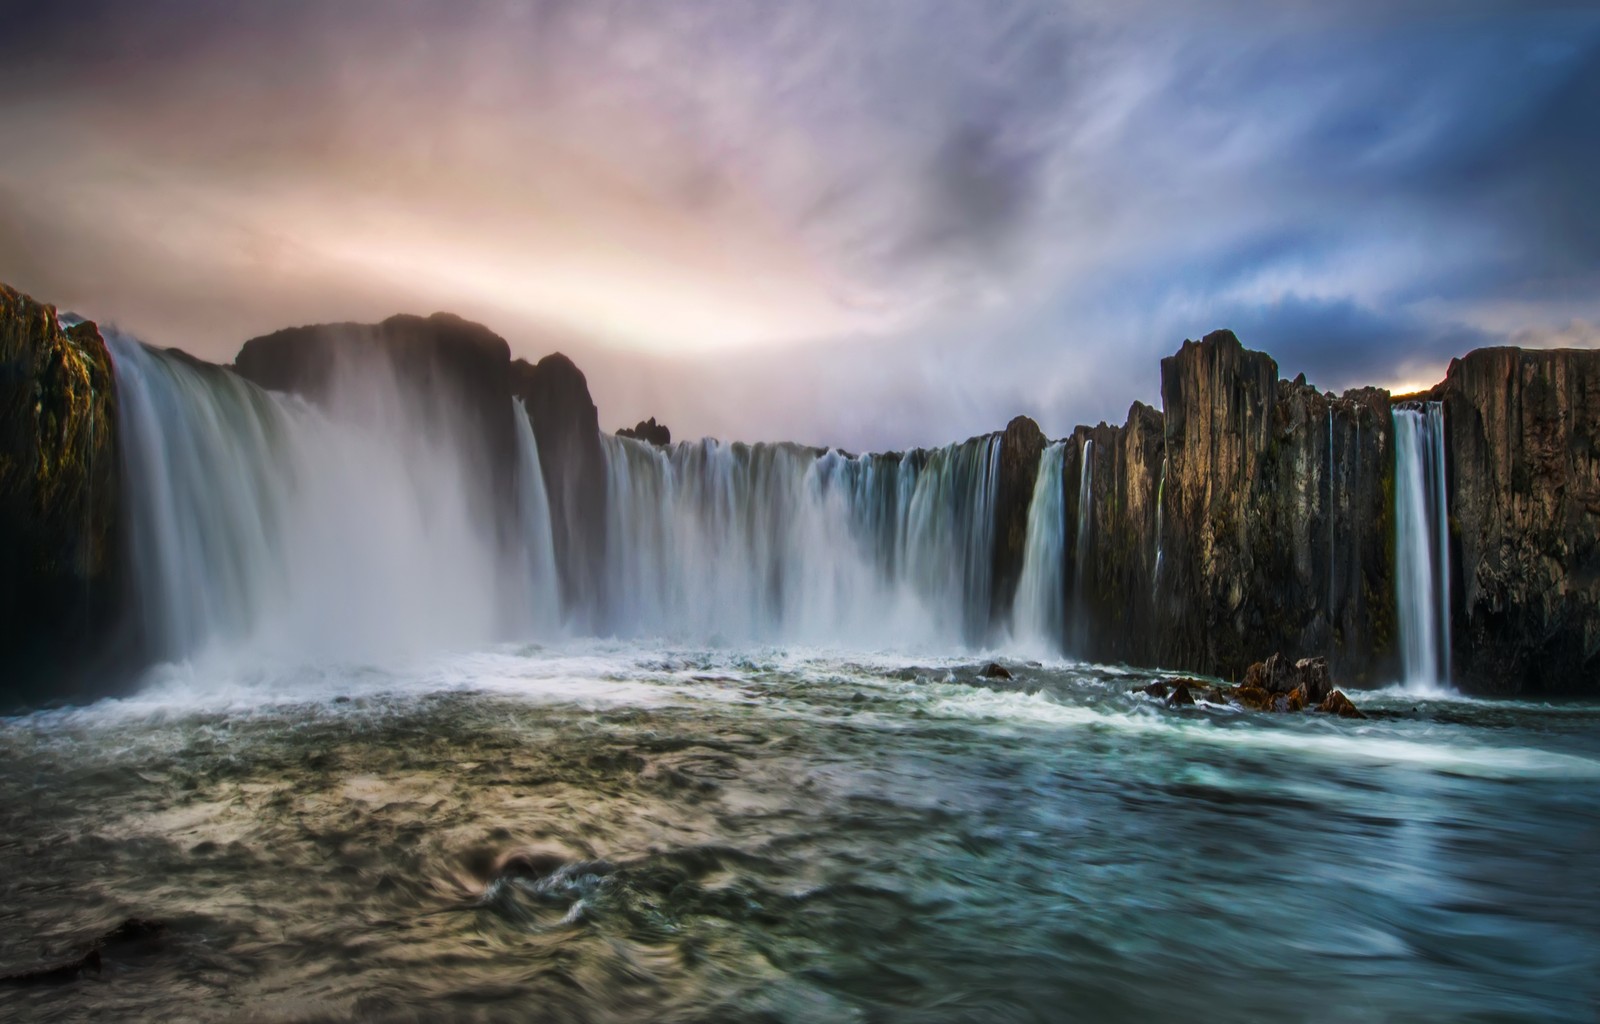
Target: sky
868 224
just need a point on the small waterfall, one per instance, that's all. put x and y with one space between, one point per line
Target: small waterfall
1332 574
1080 609
1161 493
1041 591
729 542
258 520
1422 545
539 584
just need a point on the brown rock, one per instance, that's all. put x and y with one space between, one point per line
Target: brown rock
1181 696
1336 703
995 670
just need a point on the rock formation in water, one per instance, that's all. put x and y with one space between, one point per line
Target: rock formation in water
567 427
1523 455
649 431
59 534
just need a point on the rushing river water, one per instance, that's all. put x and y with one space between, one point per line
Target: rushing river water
607 832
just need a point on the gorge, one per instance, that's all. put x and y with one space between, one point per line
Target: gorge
157 506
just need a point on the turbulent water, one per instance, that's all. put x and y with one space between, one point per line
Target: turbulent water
607 832
335 821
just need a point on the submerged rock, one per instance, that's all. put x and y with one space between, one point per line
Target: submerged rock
131 937
1336 703
1277 675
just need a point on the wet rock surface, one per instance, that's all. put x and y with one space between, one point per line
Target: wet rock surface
59 506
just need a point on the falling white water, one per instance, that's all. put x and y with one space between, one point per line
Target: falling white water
1161 493
1332 574
1422 550
731 542
1085 520
1039 615
259 521
539 583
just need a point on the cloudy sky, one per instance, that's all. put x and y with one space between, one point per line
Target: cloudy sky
862 223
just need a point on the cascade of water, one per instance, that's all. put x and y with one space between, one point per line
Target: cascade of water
539 583
1422 539
1161 494
1039 617
776 542
1080 567
256 519
1332 574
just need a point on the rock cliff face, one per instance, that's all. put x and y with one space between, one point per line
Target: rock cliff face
1253 515
59 530
1523 464
450 371
567 427
1020 446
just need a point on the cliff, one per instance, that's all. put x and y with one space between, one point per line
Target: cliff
1523 463
59 537
451 372
567 427
1253 515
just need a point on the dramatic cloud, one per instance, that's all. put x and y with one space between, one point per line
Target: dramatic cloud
860 223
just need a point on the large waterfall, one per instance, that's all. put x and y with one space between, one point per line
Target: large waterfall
730 542
1422 545
1039 616
258 520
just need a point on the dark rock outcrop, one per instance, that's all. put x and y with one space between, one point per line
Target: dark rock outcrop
59 480
649 431
452 373
1279 675
1523 464
1021 444
566 425
1253 513
995 670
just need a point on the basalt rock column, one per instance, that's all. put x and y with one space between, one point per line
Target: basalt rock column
1523 469
566 425
58 496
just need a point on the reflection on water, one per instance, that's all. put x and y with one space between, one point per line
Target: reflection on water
613 834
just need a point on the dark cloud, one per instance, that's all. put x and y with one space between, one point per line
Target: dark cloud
971 208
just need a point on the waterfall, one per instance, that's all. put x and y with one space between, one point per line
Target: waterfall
1161 492
259 520
1039 614
1332 574
539 584
770 542
1422 545
1080 611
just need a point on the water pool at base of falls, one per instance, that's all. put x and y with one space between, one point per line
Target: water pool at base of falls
609 831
